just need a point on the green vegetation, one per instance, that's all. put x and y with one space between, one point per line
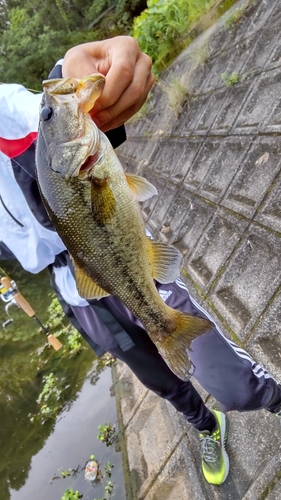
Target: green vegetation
59 325
71 495
49 398
35 34
233 18
161 28
230 79
108 468
108 487
177 93
106 434
65 473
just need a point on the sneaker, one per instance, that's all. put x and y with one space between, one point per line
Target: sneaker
215 463
277 411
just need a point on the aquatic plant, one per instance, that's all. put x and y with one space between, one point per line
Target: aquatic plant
65 473
49 396
106 434
108 468
71 495
58 322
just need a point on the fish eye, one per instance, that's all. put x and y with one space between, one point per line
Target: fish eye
46 113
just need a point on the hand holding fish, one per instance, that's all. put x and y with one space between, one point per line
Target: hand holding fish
128 77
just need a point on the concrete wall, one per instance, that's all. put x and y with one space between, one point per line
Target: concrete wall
217 166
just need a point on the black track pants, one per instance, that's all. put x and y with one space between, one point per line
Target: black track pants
224 370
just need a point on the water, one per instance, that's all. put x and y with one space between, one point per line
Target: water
70 444
34 455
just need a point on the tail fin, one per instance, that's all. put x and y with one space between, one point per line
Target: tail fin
174 348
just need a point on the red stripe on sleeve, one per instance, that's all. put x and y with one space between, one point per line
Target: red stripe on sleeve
15 147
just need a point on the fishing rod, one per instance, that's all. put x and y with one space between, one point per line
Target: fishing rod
11 295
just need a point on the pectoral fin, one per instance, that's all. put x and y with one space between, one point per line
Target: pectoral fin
140 187
86 287
102 201
166 261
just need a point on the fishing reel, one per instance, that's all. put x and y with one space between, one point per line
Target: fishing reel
7 296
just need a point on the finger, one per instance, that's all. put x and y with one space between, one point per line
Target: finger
124 116
121 119
132 99
120 75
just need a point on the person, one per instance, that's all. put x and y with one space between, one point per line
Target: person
222 368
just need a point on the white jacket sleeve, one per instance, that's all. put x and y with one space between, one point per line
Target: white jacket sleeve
34 246
19 118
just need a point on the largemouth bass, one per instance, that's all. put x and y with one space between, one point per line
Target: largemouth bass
94 206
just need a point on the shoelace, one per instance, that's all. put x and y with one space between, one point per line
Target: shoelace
209 448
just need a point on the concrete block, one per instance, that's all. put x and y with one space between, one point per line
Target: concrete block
244 54
273 59
201 165
226 162
259 103
173 157
261 16
129 392
178 479
254 19
165 200
189 148
189 219
148 206
275 492
151 438
268 477
263 44
218 39
211 110
162 152
172 229
255 176
230 108
240 294
219 66
199 77
190 115
215 246
269 213
265 342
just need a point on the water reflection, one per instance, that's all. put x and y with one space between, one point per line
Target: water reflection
32 453
69 445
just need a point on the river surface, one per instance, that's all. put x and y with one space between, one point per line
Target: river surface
34 454
70 444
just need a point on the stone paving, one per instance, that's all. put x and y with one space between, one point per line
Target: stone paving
216 163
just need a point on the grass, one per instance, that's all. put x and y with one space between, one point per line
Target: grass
231 79
177 93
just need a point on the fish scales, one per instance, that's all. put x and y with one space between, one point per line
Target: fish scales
95 209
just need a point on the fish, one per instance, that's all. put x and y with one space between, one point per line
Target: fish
95 207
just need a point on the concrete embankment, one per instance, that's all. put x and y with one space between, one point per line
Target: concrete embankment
216 162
